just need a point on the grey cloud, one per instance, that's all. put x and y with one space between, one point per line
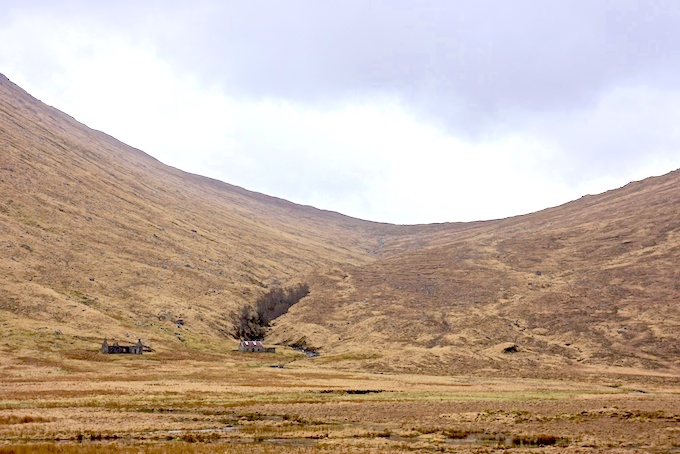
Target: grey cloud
480 56
632 128
466 63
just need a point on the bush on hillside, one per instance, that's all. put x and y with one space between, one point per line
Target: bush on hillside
251 322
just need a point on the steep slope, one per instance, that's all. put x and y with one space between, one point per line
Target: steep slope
594 282
99 239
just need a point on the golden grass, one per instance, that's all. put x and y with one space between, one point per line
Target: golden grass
182 447
239 406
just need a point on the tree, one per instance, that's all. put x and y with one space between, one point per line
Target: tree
251 323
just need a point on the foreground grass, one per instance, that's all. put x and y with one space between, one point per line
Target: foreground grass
244 405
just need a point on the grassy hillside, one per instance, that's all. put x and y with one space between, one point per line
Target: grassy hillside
570 289
99 239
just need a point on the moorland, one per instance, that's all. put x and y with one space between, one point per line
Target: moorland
552 331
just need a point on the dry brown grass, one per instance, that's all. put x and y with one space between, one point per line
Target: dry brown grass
246 406
186 448
590 284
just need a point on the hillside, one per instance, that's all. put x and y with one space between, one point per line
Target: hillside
588 285
99 239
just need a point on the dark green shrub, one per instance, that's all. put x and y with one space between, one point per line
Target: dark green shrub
250 323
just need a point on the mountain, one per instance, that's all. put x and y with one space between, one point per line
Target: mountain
98 239
588 285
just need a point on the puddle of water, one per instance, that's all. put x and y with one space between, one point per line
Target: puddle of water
508 441
474 438
274 441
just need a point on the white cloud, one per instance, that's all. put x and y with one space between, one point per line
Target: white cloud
120 87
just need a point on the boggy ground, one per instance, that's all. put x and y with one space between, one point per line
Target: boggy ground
285 403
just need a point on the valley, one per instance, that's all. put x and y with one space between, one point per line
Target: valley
555 330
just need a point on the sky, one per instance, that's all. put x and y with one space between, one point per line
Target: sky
393 111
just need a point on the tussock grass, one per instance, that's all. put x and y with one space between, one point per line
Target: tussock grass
539 440
239 405
182 447
13 419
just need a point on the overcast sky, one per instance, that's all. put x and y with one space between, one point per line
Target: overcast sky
393 111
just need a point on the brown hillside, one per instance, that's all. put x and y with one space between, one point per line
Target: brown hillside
99 239
588 284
